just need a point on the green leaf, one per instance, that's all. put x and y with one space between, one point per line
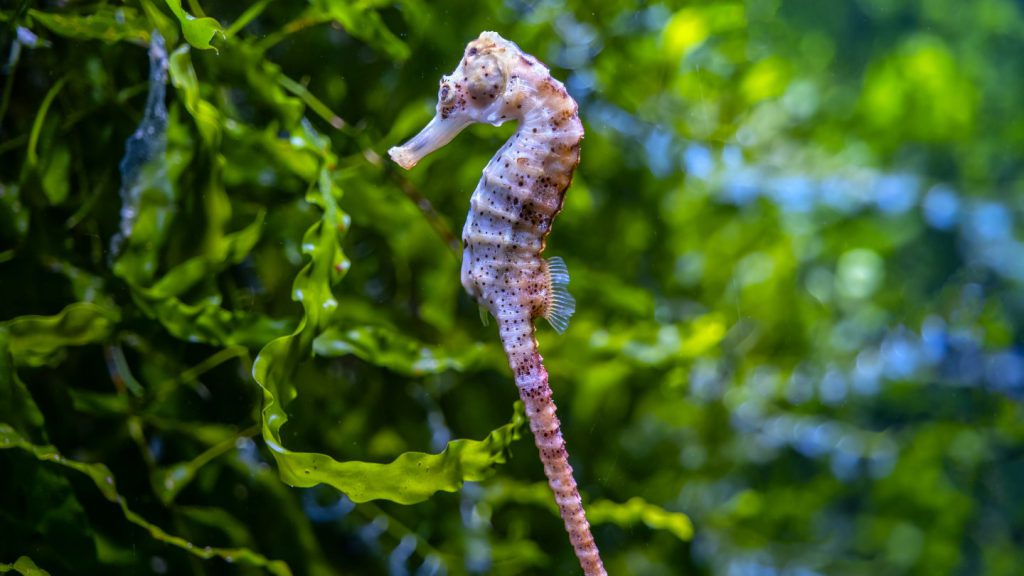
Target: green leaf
24 565
109 24
16 404
359 19
43 516
37 126
626 515
35 340
104 481
160 21
55 169
221 252
264 80
207 321
198 31
387 348
637 510
361 22
237 532
206 115
152 204
412 476
169 481
13 215
213 324
247 144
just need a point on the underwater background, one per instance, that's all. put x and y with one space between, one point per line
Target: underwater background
794 238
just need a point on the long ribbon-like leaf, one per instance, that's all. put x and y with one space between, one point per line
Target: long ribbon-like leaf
413 476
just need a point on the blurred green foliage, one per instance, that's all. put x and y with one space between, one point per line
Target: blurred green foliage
233 339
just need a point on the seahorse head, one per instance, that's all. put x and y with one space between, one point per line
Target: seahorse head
474 92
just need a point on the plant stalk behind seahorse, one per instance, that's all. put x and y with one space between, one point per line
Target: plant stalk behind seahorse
510 216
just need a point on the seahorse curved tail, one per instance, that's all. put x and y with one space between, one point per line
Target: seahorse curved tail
517 336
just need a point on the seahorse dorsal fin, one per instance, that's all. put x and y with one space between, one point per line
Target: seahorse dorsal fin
560 305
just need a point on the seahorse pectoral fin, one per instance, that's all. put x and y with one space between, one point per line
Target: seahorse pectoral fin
485 315
434 135
560 305
558 271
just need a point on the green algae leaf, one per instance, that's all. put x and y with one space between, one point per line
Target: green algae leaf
40 121
169 481
49 160
55 174
185 80
265 81
108 23
35 340
634 511
247 144
212 324
48 514
413 476
13 216
150 204
25 566
387 348
16 404
637 510
198 31
160 21
361 23
222 251
234 529
43 516
104 481
207 321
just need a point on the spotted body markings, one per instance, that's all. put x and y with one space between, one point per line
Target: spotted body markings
511 213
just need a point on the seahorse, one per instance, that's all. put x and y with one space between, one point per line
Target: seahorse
510 216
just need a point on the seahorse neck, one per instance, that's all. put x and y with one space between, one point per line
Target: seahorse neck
551 117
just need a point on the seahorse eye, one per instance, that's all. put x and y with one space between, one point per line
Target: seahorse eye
445 94
485 79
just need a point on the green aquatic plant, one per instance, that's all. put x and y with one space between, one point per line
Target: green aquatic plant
794 240
160 276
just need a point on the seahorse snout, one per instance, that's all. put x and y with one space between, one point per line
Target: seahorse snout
434 135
